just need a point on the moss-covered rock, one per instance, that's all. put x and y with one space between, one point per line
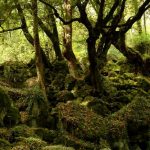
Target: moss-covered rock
22 131
32 142
21 147
64 96
5 133
57 147
31 82
129 124
69 140
82 89
4 144
99 106
45 134
144 83
5 105
58 82
16 72
81 122
69 82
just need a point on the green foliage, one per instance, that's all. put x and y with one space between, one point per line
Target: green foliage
12 117
141 43
15 48
35 101
16 72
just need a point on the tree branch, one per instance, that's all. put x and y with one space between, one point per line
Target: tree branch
111 12
132 20
58 16
99 21
83 16
13 29
118 17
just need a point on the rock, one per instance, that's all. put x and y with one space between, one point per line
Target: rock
64 96
9 115
21 147
69 82
33 143
81 122
4 145
31 82
45 134
57 147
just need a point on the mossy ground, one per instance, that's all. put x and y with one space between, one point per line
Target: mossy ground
77 117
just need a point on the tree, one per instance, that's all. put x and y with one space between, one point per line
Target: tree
27 34
107 29
50 29
67 40
39 61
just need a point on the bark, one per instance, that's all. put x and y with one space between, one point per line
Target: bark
38 54
52 34
74 66
93 68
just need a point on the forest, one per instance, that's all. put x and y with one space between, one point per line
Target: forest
74 74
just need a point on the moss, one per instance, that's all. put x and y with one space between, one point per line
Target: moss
69 82
64 96
5 133
21 147
45 134
32 142
81 122
4 144
82 89
144 83
58 82
5 105
24 117
131 121
57 147
69 140
22 131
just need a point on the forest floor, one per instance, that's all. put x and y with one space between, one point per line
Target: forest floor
76 118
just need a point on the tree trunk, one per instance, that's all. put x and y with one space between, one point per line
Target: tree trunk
38 54
28 35
74 66
93 68
54 38
132 56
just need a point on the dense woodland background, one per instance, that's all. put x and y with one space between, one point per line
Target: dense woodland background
74 74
